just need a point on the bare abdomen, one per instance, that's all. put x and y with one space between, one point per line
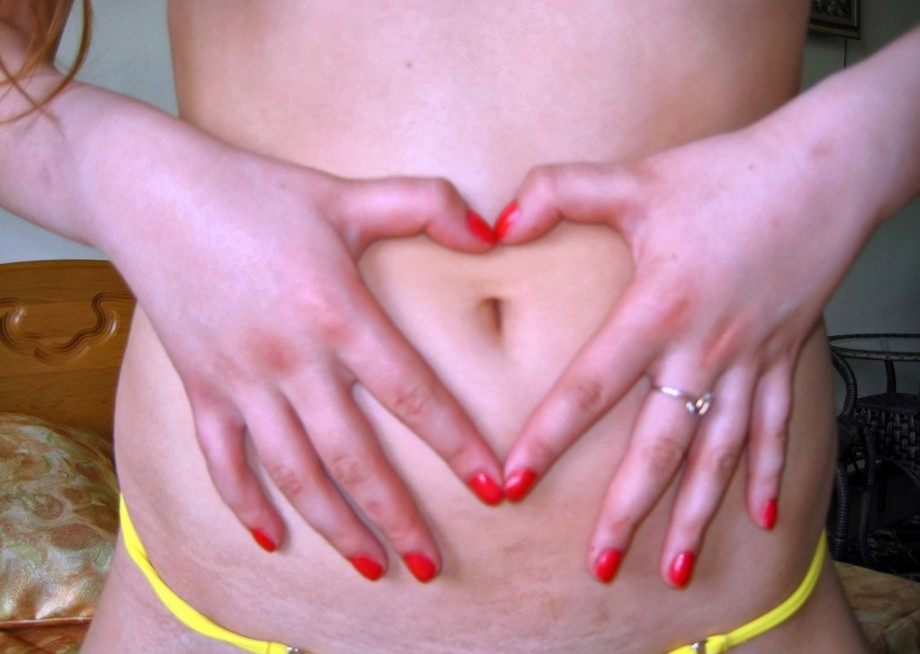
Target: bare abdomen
498 330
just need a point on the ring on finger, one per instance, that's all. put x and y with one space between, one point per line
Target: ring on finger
697 406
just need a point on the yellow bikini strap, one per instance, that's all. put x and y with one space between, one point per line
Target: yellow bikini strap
723 642
178 607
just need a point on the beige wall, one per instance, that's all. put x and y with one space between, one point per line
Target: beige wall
881 293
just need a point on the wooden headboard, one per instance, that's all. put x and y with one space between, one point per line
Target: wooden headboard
63 330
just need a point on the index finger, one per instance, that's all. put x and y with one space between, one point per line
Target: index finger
602 372
402 381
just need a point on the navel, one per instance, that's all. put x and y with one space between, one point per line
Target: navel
491 313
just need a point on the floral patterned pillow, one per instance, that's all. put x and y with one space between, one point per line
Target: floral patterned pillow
58 521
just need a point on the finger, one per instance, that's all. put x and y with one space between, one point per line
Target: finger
393 372
767 450
404 206
293 465
581 192
657 448
222 437
352 456
711 465
602 372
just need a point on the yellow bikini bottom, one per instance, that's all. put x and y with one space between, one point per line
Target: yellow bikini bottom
200 624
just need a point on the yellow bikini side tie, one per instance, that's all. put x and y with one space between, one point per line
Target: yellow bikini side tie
773 618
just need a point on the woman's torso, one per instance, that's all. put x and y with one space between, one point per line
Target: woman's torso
477 92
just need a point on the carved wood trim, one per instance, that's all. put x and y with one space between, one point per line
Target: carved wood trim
16 337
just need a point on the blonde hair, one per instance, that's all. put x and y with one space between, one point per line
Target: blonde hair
47 21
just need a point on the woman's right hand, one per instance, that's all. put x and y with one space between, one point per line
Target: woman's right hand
258 259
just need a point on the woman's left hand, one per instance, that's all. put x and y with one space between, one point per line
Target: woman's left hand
736 251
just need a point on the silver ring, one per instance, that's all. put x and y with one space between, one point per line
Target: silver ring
696 406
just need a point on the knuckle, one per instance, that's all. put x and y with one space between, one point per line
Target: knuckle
663 455
620 525
343 537
587 393
771 479
350 470
542 182
673 313
399 526
438 194
411 401
724 462
778 438
723 344
321 514
456 452
286 479
542 451
329 317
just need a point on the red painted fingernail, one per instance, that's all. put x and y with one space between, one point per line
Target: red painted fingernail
518 484
421 567
480 227
768 514
681 569
367 567
264 540
487 489
607 565
506 219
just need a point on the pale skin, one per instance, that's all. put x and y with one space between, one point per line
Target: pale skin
701 345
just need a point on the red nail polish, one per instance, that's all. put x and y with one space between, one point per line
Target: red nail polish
607 565
367 567
768 514
506 219
264 540
480 227
681 569
421 567
518 484
486 488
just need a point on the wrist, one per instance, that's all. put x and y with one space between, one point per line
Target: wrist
857 136
138 171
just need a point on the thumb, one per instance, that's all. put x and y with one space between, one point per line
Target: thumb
369 210
581 192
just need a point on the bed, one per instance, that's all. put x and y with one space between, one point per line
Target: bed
63 329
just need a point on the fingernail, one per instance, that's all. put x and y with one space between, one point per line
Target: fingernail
681 569
368 567
607 565
768 514
518 484
264 540
506 219
487 489
421 567
480 227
